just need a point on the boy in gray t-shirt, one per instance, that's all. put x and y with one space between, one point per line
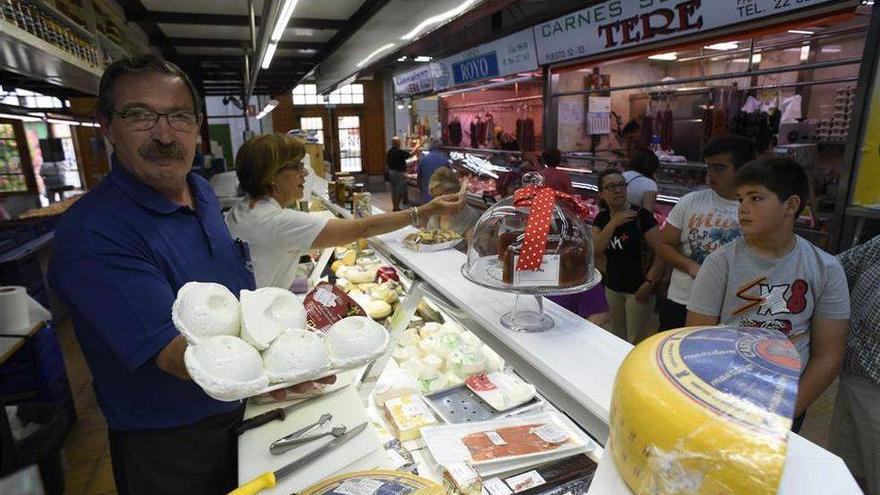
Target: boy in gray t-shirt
772 278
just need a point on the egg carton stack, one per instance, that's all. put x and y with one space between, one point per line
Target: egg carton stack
357 273
241 348
836 129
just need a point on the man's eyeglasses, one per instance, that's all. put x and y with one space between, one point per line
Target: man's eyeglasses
614 187
144 120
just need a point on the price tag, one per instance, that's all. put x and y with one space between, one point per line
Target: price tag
495 438
525 481
547 274
495 486
551 433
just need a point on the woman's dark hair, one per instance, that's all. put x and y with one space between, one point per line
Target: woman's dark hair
784 176
740 150
600 183
645 162
551 157
143 64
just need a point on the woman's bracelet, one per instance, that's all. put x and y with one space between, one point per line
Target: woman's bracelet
414 215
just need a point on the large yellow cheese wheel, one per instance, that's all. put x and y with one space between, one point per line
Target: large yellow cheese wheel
704 411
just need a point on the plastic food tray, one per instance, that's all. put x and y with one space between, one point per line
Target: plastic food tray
461 405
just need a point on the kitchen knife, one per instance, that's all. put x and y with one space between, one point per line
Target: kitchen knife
269 479
278 413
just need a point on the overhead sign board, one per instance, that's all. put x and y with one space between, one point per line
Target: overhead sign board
617 24
509 55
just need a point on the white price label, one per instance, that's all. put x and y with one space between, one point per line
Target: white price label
495 438
547 274
525 481
495 486
359 487
551 433
325 297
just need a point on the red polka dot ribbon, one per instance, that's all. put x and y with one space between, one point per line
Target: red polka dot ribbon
541 199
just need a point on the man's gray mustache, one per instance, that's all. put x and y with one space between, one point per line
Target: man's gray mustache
156 151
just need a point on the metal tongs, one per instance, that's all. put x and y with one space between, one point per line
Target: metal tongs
299 437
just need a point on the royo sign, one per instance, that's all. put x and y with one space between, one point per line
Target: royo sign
475 68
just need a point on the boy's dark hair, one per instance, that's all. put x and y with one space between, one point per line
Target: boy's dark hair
551 157
784 176
631 126
739 149
645 162
143 64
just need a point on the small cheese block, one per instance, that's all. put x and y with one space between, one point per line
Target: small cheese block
407 415
394 384
377 309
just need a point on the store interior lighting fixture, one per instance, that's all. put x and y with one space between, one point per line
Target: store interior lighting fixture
423 58
268 108
436 19
373 54
727 45
270 52
664 56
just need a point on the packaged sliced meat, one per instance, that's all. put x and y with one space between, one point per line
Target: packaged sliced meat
533 438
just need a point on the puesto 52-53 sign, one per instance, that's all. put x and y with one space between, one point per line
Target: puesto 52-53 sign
623 23
475 69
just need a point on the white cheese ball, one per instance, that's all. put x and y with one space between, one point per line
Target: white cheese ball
355 340
296 355
205 309
226 367
267 312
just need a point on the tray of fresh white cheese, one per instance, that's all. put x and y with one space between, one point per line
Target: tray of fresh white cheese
259 342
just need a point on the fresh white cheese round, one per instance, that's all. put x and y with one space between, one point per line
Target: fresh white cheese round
355 340
205 309
296 355
267 312
226 367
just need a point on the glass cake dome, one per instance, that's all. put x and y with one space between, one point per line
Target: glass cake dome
556 263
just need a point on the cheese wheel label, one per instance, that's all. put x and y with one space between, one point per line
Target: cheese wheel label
704 410
741 375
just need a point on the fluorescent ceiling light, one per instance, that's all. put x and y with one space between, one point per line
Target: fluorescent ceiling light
437 19
400 106
23 118
402 59
268 108
727 45
800 31
303 32
270 52
664 56
423 58
62 122
756 58
90 124
375 52
283 19
831 49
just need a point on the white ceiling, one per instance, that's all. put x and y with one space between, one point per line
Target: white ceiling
241 32
395 19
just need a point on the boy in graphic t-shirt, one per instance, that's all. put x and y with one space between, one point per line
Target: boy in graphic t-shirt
701 222
772 278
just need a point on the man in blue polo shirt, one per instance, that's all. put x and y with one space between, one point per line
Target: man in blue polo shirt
121 254
428 165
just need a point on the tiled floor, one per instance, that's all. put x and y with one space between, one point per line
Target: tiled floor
86 450
87 454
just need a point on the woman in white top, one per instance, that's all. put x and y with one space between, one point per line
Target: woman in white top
641 188
271 172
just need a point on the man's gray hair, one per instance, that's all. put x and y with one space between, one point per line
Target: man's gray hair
142 64
436 143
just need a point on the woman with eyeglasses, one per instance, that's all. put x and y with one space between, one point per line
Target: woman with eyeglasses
627 236
271 173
